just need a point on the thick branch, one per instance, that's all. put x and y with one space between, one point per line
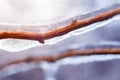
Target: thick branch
60 31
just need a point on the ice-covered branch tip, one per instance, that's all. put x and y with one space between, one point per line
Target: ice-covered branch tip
60 31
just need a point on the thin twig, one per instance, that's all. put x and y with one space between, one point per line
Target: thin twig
70 53
60 31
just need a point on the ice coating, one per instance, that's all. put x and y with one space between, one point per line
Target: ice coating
27 44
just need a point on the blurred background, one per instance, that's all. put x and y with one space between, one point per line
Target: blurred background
36 11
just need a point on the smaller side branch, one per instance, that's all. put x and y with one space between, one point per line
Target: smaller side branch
70 53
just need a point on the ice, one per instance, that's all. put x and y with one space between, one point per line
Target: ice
42 16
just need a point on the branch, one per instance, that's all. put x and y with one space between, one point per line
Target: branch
60 31
63 55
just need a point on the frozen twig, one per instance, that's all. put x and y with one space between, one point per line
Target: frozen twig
63 55
60 31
